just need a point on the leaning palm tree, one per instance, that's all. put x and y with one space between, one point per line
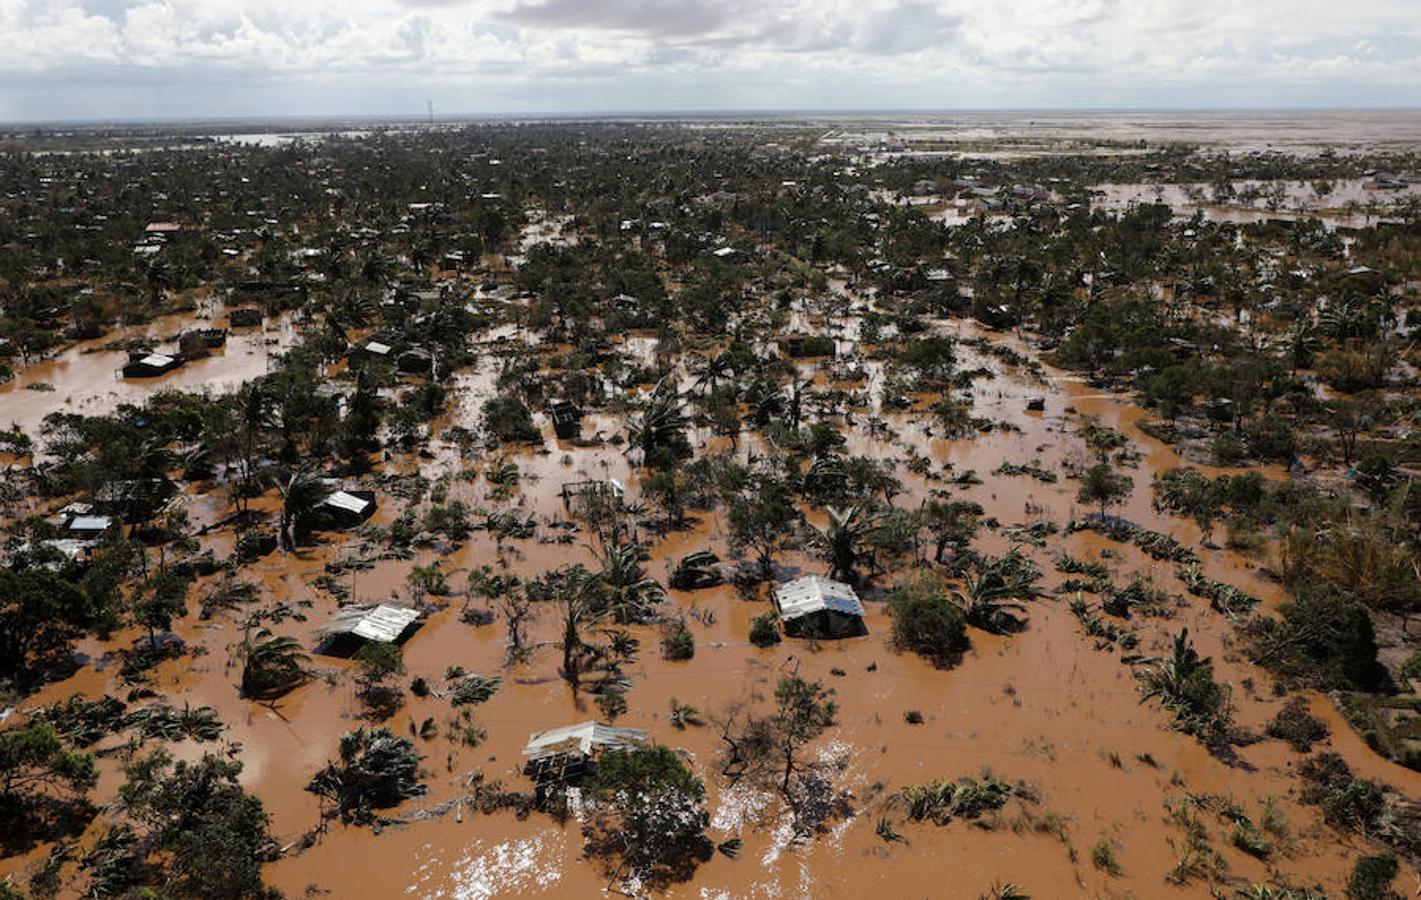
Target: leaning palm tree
661 424
271 666
301 493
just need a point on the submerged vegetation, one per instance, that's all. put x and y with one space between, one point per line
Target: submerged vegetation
735 470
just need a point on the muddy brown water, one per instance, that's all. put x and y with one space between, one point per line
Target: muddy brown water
85 378
1044 706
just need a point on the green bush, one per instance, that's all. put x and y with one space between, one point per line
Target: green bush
1269 438
1372 877
765 630
926 622
1296 725
1324 641
507 420
678 644
1228 449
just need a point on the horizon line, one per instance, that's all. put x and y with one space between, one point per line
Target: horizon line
683 114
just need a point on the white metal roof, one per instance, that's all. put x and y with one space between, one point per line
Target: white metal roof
381 623
582 738
90 523
377 347
344 500
71 547
157 360
812 594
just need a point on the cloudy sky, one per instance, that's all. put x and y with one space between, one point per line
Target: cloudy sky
127 59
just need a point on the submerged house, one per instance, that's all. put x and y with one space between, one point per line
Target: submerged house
567 419
150 365
348 508
382 624
573 492
560 755
199 342
815 607
246 317
136 499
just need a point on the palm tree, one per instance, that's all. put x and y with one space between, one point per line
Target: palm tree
577 598
271 665
631 593
253 419
661 425
841 541
985 600
710 371
301 493
1184 684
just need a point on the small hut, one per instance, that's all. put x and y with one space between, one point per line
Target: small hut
348 508
415 361
560 755
88 527
136 499
567 419
150 365
797 345
815 607
246 317
373 349
574 492
381 624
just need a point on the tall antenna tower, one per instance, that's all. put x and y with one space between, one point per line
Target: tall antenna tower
431 113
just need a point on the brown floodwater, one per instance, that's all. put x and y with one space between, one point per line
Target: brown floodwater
85 378
1044 705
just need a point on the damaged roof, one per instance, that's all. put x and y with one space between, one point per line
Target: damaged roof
583 738
382 623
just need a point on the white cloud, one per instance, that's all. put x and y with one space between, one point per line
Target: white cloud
508 55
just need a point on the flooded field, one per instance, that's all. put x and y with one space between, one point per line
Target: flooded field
1044 706
1056 133
786 364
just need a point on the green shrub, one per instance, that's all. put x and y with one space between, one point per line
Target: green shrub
507 420
765 630
1296 725
1372 877
678 644
926 622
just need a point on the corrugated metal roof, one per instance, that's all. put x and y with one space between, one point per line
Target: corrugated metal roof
90 523
812 594
378 348
343 500
381 623
581 738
